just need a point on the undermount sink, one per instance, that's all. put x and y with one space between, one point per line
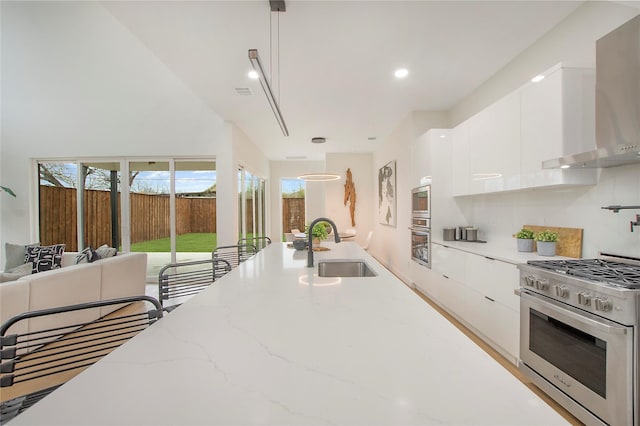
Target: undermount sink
344 268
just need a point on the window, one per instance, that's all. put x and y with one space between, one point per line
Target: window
170 207
251 205
293 205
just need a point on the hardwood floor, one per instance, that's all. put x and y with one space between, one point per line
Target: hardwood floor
504 362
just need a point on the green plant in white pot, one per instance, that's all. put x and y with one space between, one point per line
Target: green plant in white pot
525 240
319 232
546 242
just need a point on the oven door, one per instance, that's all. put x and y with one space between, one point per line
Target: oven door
590 359
421 201
421 246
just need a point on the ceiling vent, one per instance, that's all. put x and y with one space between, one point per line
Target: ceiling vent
244 91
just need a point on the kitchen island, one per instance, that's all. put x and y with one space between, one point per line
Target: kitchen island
273 343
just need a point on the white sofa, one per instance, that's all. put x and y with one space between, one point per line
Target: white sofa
118 276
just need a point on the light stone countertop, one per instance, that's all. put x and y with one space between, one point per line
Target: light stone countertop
272 343
496 251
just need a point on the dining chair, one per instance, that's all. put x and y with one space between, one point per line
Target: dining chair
54 345
259 242
179 281
234 254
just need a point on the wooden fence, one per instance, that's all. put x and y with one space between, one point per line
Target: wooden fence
293 214
149 219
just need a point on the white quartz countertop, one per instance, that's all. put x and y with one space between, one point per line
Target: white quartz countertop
272 343
496 251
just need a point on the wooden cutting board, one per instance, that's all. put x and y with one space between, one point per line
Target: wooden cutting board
569 239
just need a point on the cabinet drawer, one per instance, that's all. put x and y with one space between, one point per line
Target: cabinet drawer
494 279
449 262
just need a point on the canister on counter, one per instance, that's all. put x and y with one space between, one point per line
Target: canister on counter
449 234
472 234
462 233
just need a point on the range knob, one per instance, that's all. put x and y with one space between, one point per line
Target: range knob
529 280
562 291
541 284
584 298
602 304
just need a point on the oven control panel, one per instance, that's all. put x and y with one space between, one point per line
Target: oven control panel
613 303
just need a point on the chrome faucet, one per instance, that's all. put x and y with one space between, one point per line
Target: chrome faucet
310 236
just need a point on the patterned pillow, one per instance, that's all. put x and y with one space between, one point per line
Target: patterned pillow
105 251
45 258
87 255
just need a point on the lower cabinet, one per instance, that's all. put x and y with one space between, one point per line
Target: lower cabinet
479 292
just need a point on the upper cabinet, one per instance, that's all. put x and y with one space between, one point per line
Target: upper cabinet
502 147
494 148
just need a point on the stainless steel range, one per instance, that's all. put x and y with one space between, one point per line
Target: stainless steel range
579 334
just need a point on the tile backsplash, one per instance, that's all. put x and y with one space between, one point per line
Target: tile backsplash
499 216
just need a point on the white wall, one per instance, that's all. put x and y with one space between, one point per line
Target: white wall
499 216
391 245
314 192
76 83
361 165
571 42
243 153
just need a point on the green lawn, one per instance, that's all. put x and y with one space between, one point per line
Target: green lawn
196 242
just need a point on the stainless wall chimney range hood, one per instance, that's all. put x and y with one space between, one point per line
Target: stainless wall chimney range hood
617 102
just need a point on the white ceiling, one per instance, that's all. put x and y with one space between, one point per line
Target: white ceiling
336 60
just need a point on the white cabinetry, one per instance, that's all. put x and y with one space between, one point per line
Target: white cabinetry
503 146
557 119
478 291
494 147
460 159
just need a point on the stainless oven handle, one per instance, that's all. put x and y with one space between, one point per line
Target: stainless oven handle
574 317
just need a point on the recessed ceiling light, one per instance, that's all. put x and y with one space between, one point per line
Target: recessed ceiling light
537 78
401 73
565 166
318 140
372 138
443 136
253 74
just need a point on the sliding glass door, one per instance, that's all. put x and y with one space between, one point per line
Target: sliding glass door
165 208
251 206
195 205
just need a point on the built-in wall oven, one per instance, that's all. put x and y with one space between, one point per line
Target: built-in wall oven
421 201
579 335
421 225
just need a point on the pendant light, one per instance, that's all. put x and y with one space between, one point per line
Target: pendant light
276 6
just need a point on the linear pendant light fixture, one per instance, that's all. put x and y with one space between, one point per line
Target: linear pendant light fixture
276 6
254 58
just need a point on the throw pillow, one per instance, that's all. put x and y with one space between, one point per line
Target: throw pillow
15 273
105 251
14 255
86 256
45 258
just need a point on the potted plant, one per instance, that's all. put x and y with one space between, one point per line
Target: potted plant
525 239
546 242
319 232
